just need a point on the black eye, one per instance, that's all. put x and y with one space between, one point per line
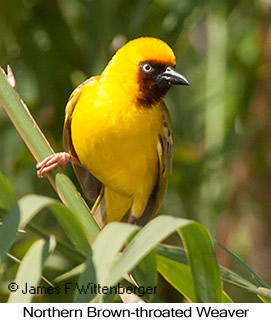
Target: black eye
147 68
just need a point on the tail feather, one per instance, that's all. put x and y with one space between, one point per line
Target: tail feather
99 209
110 206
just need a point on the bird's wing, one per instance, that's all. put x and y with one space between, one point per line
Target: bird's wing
90 185
164 151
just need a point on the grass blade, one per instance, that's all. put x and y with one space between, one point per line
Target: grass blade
172 252
265 299
145 273
226 298
258 280
22 213
76 271
178 275
201 256
30 270
8 231
83 291
40 148
155 231
178 254
7 195
107 247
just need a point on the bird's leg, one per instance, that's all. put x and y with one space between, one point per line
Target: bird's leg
53 161
133 219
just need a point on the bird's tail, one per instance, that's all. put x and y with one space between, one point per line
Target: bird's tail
110 206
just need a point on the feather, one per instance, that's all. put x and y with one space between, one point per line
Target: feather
164 151
90 185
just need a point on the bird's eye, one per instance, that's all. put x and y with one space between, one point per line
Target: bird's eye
147 68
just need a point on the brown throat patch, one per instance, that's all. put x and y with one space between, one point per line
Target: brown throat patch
150 90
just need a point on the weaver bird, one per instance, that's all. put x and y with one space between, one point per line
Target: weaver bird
118 133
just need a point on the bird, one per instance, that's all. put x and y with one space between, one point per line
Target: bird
118 133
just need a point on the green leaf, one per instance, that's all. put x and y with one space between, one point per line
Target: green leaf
267 298
83 291
73 227
8 231
172 252
22 213
30 270
40 148
173 259
110 264
178 254
71 273
154 232
226 298
62 247
31 205
77 205
258 280
201 256
232 278
7 195
178 275
265 292
106 249
145 273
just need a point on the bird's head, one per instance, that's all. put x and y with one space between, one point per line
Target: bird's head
145 68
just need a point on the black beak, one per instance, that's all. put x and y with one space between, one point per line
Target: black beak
171 76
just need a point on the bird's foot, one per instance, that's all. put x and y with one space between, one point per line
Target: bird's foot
53 161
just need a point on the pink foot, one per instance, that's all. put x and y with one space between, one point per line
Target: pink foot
53 161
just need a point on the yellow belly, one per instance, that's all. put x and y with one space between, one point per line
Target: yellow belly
118 144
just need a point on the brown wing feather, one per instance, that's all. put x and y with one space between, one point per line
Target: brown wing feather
90 185
164 151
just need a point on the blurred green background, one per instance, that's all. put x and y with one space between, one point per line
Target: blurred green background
222 122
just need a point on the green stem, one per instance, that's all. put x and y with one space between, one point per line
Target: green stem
40 148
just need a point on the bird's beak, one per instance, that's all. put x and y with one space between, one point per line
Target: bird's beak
171 76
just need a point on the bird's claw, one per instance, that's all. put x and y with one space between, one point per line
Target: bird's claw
53 161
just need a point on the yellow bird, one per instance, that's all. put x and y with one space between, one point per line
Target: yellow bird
118 133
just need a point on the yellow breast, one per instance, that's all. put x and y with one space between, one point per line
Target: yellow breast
116 140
